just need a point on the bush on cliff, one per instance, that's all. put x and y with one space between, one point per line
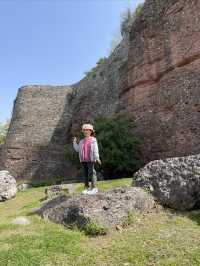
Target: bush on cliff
128 17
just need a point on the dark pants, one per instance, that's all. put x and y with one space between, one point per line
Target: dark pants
89 174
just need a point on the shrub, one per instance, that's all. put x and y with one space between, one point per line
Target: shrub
91 71
118 146
138 10
46 182
71 155
127 18
3 131
101 61
129 219
88 72
94 229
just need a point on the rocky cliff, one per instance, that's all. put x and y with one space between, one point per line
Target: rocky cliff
154 74
38 130
160 83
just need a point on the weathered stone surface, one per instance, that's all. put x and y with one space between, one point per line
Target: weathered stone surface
106 208
98 93
8 186
56 190
160 80
175 182
71 187
154 74
34 147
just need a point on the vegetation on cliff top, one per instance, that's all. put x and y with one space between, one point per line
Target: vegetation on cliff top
127 18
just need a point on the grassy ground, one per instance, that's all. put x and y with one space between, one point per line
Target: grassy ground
153 239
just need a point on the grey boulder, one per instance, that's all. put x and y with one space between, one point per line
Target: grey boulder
175 182
8 186
106 208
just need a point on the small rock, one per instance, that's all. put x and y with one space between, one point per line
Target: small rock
21 221
118 227
70 187
24 186
56 190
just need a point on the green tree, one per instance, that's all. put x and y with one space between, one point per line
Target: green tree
3 131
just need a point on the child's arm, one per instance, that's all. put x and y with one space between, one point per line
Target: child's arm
96 152
75 145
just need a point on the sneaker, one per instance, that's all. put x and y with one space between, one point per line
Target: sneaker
92 191
85 191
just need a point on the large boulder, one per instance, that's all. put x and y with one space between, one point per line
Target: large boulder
8 186
107 208
175 182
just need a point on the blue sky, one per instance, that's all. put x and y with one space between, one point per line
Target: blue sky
53 41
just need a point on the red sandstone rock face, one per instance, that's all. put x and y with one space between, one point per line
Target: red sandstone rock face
160 83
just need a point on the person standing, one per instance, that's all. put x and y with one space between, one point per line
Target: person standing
88 156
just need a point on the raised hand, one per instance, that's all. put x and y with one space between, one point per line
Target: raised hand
74 139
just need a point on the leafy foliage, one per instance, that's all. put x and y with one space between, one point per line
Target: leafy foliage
118 146
129 219
3 131
127 19
101 61
91 71
71 155
94 229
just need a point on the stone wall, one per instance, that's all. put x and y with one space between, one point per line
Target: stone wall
38 131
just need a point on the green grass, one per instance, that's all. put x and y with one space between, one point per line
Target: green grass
108 184
147 239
